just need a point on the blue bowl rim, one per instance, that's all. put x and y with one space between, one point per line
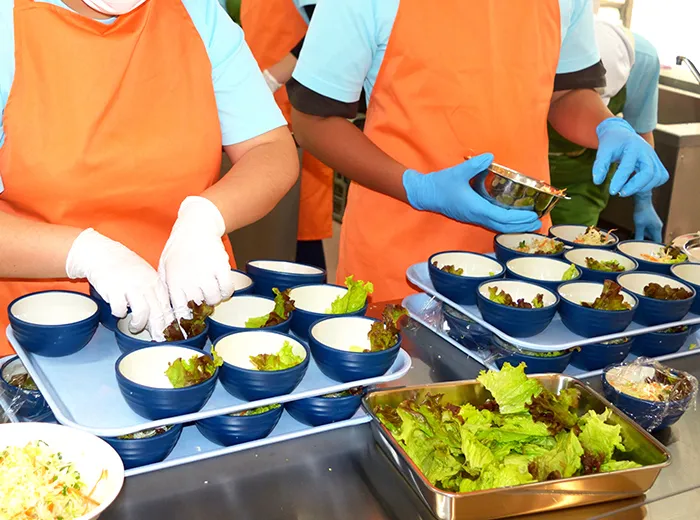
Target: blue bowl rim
641 261
95 315
13 359
173 428
544 257
235 415
633 295
588 269
604 376
323 314
555 255
253 371
256 296
252 282
365 354
322 271
583 246
642 297
692 284
153 389
546 307
182 343
461 276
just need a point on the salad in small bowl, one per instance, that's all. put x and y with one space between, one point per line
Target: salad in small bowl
584 236
457 274
689 273
652 256
599 355
325 409
547 272
146 446
237 428
662 342
536 362
662 299
271 274
599 265
21 393
246 312
516 245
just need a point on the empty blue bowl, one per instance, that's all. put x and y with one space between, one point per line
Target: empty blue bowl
636 248
147 391
330 340
660 343
506 245
106 317
690 275
54 323
232 315
590 323
578 257
141 452
461 289
317 411
239 376
518 323
533 364
599 355
568 233
229 430
312 302
128 342
26 405
270 274
652 311
243 284
540 270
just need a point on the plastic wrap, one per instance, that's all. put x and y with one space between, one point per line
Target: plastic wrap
17 403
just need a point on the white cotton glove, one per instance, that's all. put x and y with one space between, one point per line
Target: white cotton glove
272 81
194 264
123 279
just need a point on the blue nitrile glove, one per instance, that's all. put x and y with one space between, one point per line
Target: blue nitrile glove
448 192
647 223
639 168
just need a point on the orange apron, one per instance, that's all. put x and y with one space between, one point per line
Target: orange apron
272 28
457 80
107 126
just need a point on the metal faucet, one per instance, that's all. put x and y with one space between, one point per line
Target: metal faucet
681 59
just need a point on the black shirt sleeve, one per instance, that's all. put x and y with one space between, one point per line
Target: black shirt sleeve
590 78
296 51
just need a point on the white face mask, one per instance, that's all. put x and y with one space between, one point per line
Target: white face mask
113 7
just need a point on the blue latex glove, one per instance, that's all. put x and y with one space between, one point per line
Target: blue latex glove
647 223
448 192
639 169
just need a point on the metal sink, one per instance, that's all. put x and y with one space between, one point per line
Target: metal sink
678 106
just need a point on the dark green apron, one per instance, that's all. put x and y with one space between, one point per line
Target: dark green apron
572 168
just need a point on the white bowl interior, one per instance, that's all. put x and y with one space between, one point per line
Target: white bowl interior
316 298
569 232
90 456
54 308
343 333
518 289
123 325
237 349
147 366
636 282
241 281
239 309
539 268
637 249
688 272
12 369
588 292
512 241
578 257
474 265
285 267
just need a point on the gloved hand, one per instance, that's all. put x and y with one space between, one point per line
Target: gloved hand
272 82
647 223
448 192
194 264
639 168
123 279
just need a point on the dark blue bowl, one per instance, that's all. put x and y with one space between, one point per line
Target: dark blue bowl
599 355
533 364
540 270
250 384
652 311
518 323
161 403
128 343
466 331
270 274
244 284
343 365
141 452
650 415
689 274
634 248
505 246
52 340
578 258
567 233
461 289
660 343
106 317
590 323
230 316
229 430
26 405
317 411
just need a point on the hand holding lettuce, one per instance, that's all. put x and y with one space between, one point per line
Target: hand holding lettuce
188 328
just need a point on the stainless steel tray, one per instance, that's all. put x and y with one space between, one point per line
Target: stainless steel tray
529 498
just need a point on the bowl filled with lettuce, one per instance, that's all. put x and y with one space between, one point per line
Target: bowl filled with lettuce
271 274
653 256
592 309
259 364
689 273
536 362
547 272
516 245
595 356
237 428
578 236
20 393
662 298
241 313
662 342
167 381
315 302
598 265
355 348
520 309
457 274
146 446
326 409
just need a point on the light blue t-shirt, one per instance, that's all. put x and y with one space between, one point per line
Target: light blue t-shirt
347 39
642 104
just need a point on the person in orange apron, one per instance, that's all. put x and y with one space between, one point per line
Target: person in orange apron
114 117
274 30
445 82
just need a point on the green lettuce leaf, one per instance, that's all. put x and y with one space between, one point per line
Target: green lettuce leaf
600 438
563 461
284 359
259 410
518 428
257 323
510 387
189 372
353 300
477 456
570 273
497 476
617 465
555 411
283 306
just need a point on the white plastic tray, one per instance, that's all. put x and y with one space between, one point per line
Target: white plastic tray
555 337
418 305
82 390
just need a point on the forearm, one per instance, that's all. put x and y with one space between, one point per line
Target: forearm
342 146
283 69
576 114
34 250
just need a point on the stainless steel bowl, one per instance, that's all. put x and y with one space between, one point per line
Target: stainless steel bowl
512 190
690 244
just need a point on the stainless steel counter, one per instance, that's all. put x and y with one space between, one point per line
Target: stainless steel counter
342 475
